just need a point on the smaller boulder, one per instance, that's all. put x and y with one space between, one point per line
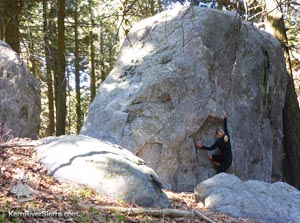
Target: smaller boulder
107 168
277 202
20 95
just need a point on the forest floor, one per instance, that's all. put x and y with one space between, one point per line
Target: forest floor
52 199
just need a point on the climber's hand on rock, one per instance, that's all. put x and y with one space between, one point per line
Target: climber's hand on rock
198 144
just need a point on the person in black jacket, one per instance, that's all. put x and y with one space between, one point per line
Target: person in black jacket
223 160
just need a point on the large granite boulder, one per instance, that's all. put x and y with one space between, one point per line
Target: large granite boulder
274 203
108 169
175 74
20 105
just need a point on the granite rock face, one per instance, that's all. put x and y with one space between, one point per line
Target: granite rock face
271 203
20 104
176 73
108 169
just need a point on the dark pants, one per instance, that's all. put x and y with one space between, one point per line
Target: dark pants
224 165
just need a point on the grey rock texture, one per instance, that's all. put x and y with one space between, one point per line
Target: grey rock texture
175 74
19 95
108 169
273 203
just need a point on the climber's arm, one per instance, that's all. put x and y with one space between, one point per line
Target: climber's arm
225 124
214 146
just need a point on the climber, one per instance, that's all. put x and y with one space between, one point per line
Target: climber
223 160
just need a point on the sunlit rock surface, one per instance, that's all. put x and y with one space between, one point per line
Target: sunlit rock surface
109 169
270 203
175 74
20 105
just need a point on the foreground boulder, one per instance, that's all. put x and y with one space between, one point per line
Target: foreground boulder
19 95
277 202
175 74
107 168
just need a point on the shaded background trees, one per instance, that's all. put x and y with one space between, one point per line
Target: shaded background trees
9 24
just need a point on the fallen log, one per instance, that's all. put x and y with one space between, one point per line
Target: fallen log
173 213
5 146
202 216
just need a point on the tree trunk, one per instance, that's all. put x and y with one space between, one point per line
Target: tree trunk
220 4
101 56
31 46
54 69
152 7
2 24
91 54
50 129
61 78
160 8
111 52
291 113
69 106
77 74
11 33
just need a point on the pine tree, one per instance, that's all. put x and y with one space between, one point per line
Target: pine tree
49 78
61 78
291 113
